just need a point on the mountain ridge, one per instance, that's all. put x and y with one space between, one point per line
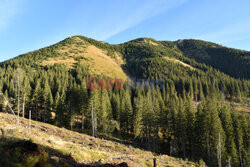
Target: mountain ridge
195 50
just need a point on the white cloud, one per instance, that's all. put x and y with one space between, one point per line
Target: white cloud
8 9
149 9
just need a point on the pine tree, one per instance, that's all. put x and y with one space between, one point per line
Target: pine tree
137 116
238 138
93 107
126 112
209 127
26 93
115 103
190 120
105 111
148 118
61 119
172 126
83 103
48 101
36 98
181 128
227 123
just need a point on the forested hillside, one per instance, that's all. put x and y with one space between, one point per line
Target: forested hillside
201 110
230 61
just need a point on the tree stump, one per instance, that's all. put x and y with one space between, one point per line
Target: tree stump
155 164
3 134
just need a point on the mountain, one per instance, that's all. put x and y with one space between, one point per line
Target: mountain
188 99
233 62
92 54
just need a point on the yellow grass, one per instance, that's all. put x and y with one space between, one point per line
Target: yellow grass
96 59
84 148
240 107
102 64
152 43
179 62
59 60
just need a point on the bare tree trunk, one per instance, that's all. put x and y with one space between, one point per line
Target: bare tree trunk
148 137
83 122
3 134
71 122
36 111
18 96
219 151
1 93
170 148
44 115
24 106
103 127
71 117
240 156
229 162
183 146
30 121
208 147
92 119
95 121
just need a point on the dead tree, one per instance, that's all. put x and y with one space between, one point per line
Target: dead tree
23 106
1 93
92 119
30 121
18 96
82 122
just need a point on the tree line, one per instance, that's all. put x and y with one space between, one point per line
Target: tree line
190 117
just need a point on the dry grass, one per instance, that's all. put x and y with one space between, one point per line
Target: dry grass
101 64
152 42
59 60
84 148
96 59
240 107
179 62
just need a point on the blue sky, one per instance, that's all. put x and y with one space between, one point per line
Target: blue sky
26 25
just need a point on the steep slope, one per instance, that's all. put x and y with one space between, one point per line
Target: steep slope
79 51
62 145
75 51
217 56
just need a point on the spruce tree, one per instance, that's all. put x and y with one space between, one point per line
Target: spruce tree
227 123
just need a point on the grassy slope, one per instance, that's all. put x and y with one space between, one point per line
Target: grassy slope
97 60
83 148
